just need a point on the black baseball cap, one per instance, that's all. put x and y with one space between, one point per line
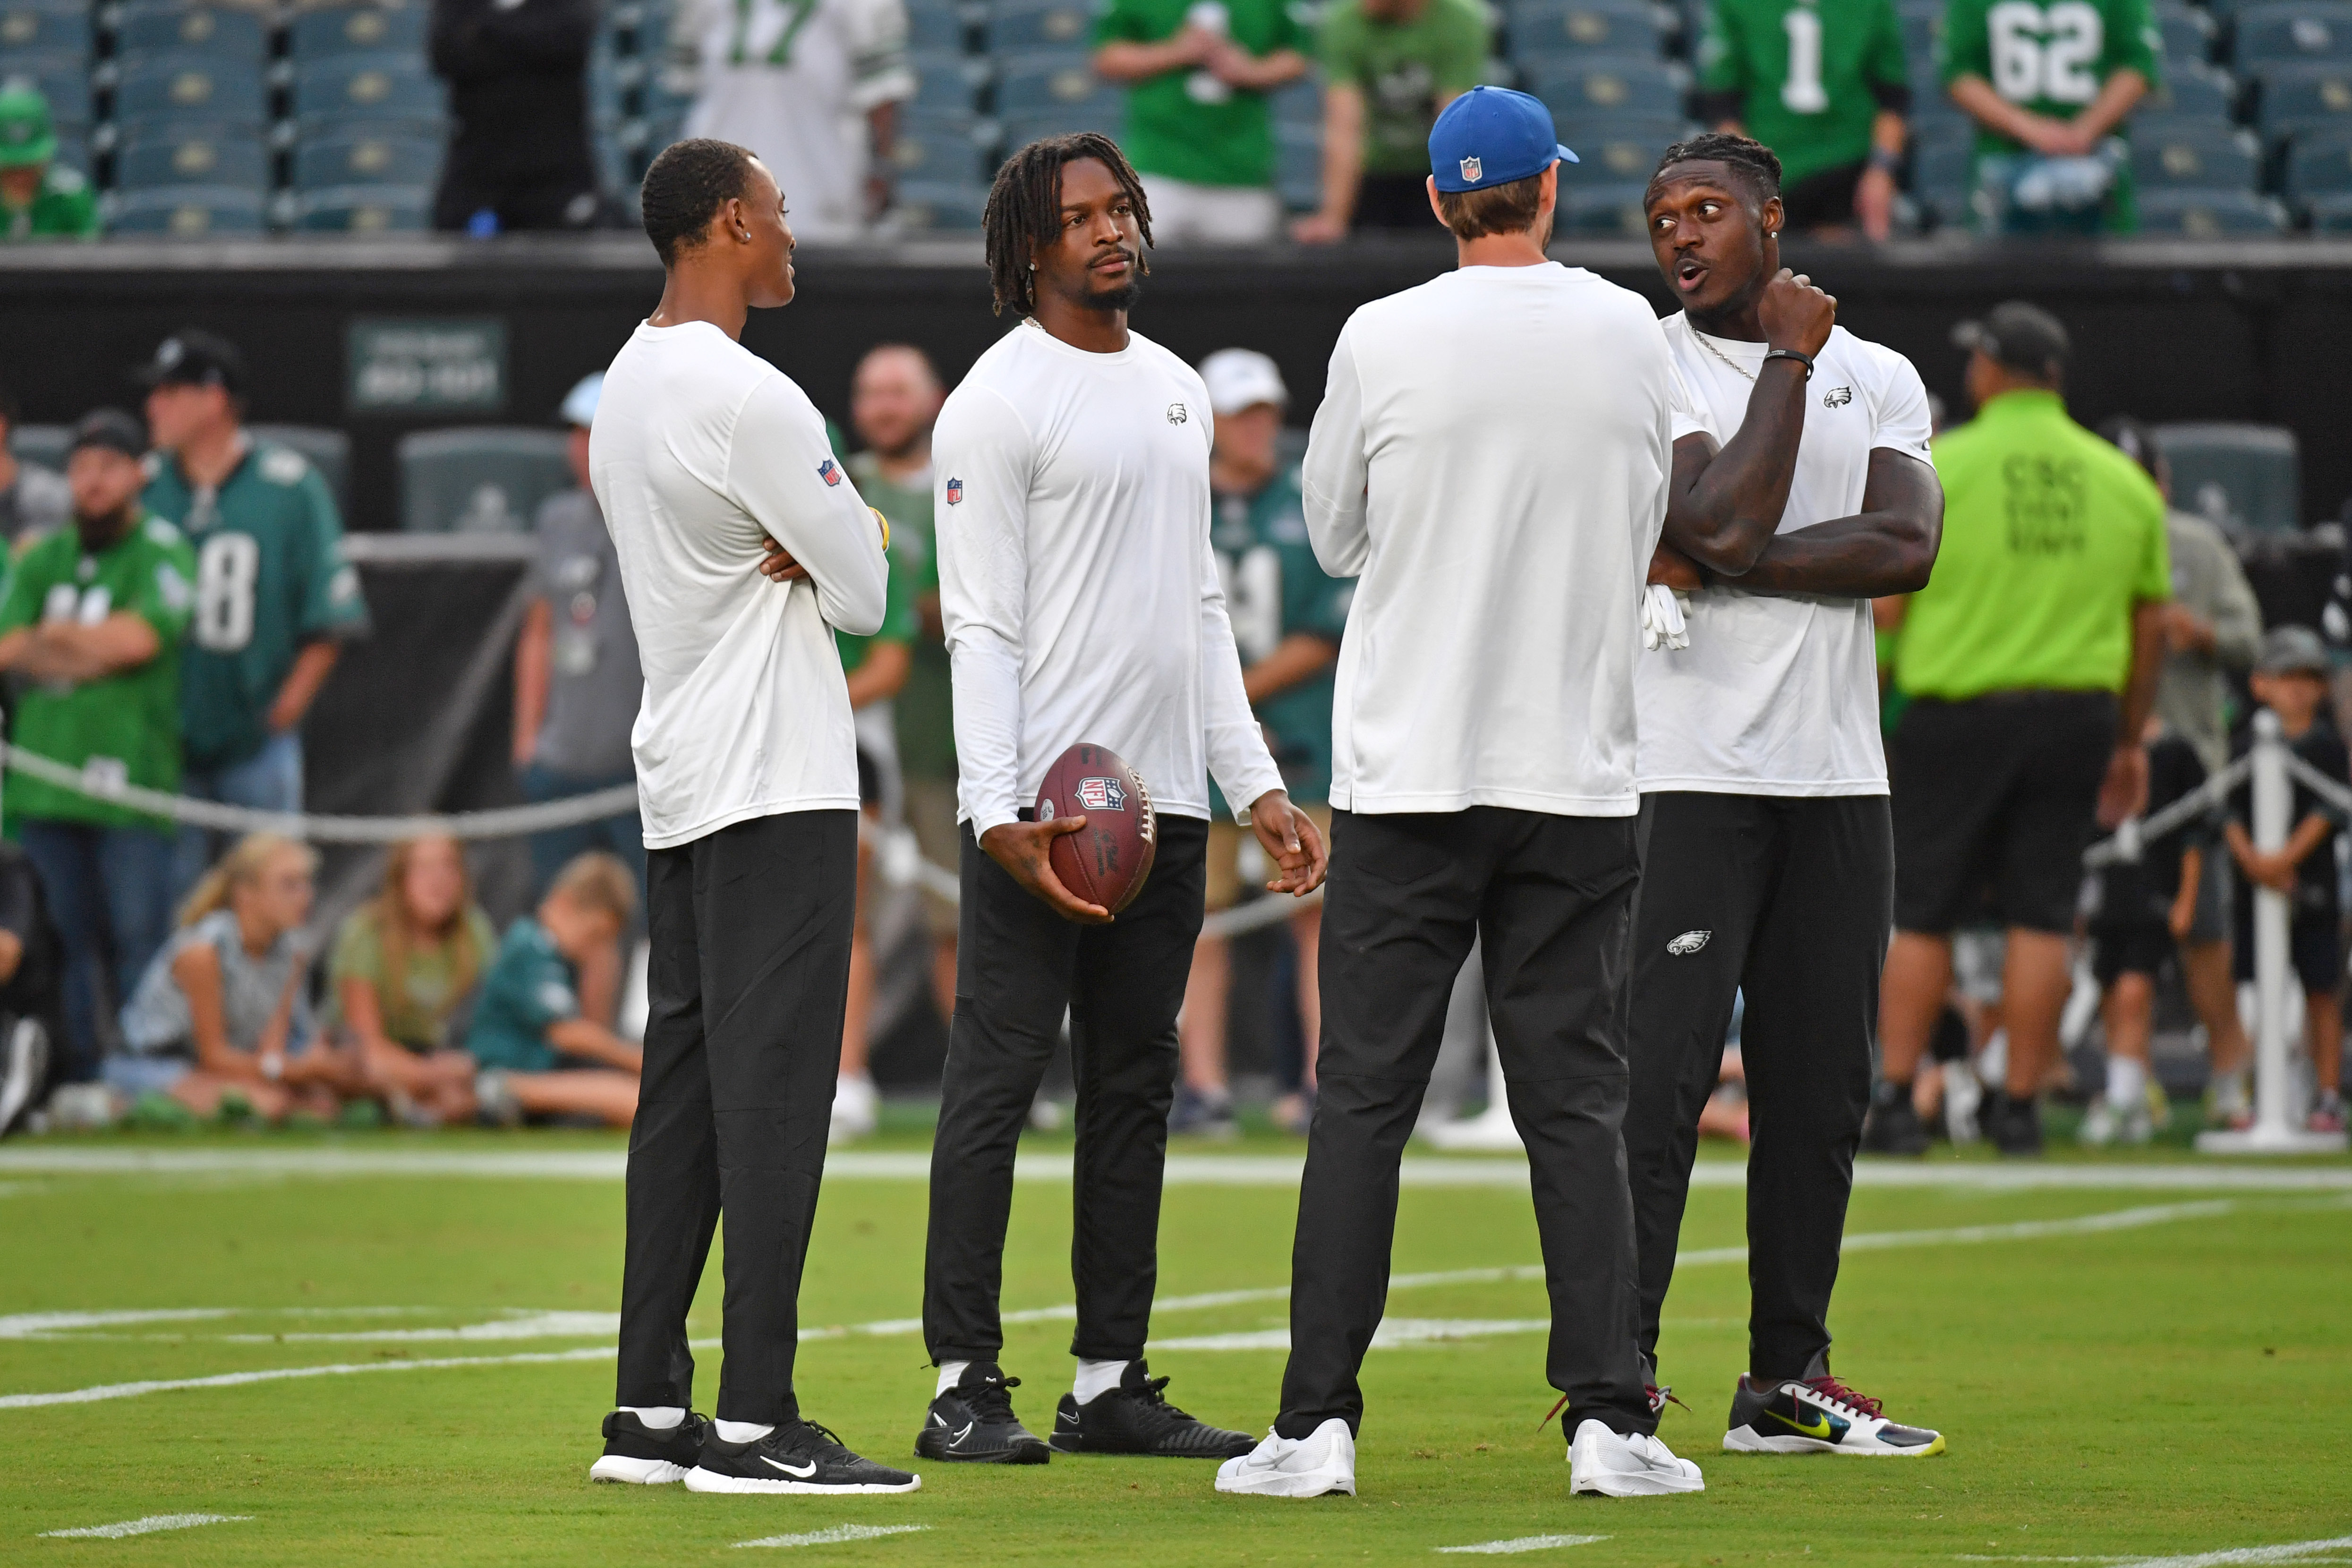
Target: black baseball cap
2023 337
112 429
192 358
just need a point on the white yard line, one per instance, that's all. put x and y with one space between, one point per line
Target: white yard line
837 1534
148 1526
1183 1170
1525 1543
2293 1551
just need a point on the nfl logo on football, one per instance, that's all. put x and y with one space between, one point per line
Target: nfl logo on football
1101 795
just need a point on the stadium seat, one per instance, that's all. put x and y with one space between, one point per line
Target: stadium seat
365 87
1617 150
2319 177
2188 34
2179 154
365 209
941 80
2208 214
932 206
154 88
188 211
48 27
1584 30
1920 31
1604 209
1609 87
937 147
366 159
2195 91
613 80
62 77
2252 473
47 445
1027 27
935 24
330 452
1061 85
1943 173
480 480
225 32
2294 99
192 153
1300 103
1298 165
392 27
2292 30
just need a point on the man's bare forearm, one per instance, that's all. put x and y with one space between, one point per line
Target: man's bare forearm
1725 507
1888 548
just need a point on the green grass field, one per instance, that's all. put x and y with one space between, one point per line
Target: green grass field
2125 1372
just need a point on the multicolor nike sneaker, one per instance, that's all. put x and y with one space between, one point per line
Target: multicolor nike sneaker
1818 1415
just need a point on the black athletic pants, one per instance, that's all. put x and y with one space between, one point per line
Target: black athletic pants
749 973
1018 964
1552 899
1791 902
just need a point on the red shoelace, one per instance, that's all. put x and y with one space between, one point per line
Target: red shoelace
1831 1388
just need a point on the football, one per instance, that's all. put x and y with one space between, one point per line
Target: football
1105 861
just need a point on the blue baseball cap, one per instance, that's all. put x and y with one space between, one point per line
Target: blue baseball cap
1491 136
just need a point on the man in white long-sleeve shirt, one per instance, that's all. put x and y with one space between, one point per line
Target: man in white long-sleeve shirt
1490 462
712 468
1082 603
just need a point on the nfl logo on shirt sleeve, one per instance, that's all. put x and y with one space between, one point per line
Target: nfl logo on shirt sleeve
955 492
829 471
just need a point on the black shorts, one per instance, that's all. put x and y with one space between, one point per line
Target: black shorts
2143 947
870 780
2314 950
1822 199
1999 793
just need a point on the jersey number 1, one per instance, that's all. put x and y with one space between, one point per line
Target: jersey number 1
228 569
1800 89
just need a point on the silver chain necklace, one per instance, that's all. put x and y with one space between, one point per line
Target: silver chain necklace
1709 344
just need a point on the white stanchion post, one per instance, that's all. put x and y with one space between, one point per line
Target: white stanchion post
2274 1130
1492 1129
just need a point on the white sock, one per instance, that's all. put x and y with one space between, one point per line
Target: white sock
2127 1081
656 1417
741 1431
1095 1378
950 1374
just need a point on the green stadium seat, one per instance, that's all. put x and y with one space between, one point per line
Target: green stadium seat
2210 213
613 82
2187 34
1027 27
176 154
1943 173
935 207
365 87
2194 91
1610 86
330 452
49 27
394 157
2319 178
60 76
228 31
931 25
1298 165
1920 31
479 480
1618 148
932 146
1584 30
2247 474
942 82
1300 103
394 26
47 445
2179 154
159 88
188 212
365 209
1062 86
1604 209
2295 98
2290 30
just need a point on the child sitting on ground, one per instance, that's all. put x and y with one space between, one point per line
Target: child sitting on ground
2145 907
2291 680
538 1055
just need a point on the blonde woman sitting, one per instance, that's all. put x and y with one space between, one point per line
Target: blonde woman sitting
403 966
539 1052
226 1002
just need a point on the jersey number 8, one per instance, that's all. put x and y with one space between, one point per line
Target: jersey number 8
227 568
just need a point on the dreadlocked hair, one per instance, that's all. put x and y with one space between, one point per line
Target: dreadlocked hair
1753 164
1025 210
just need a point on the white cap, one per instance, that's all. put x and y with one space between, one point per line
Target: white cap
580 403
1242 378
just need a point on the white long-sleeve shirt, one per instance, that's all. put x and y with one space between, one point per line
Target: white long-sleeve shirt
700 447
1491 461
1080 595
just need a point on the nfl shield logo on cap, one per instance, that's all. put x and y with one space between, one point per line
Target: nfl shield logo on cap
1471 170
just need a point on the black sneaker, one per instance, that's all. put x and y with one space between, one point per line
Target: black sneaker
1816 1414
1136 1418
646 1455
2011 1125
973 1422
797 1456
1202 1115
1893 1126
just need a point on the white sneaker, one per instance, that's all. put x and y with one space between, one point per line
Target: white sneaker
1322 1462
1604 1464
855 1104
2106 1123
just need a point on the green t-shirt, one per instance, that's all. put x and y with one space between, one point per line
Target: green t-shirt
1807 73
898 610
65 208
1403 68
1275 588
434 981
1186 125
128 724
2051 536
530 987
2052 59
270 576
923 710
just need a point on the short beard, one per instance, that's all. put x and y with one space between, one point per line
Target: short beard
102 533
1122 298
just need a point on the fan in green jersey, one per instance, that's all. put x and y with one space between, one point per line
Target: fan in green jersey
1821 82
2049 87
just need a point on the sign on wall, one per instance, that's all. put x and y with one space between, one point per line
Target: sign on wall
413 365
